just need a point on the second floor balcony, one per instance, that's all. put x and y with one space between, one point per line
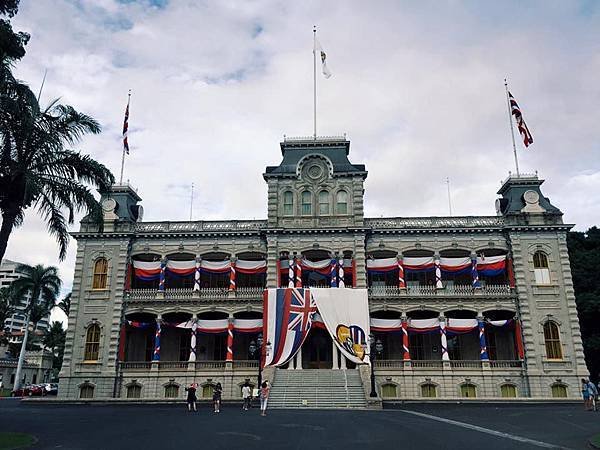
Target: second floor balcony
487 290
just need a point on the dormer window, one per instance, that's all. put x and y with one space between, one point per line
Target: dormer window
288 203
540 267
306 203
323 203
341 204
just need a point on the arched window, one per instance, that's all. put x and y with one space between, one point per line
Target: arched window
207 391
540 267
171 391
428 390
323 203
508 391
389 390
468 390
288 203
92 343
100 274
552 340
306 203
86 391
341 202
559 391
134 391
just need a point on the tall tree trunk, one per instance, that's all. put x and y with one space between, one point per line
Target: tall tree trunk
8 223
17 384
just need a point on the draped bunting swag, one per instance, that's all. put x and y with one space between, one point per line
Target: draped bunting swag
405 340
193 341
475 274
298 267
229 356
333 273
482 343
341 283
232 276
444 341
156 353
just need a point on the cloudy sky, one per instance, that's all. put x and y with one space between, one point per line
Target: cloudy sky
417 87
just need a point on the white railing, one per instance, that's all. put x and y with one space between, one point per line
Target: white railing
458 364
495 364
136 365
428 291
175 294
313 138
389 363
435 222
215 225
427 364
245 364
210 365
172 365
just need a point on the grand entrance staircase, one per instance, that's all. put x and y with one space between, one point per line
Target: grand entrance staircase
317 388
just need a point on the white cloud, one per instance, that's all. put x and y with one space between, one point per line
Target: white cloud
418 87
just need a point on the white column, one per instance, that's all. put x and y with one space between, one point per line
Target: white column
334 353
342 361
299 360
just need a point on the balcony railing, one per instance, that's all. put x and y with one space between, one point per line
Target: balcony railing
439 364
435 222
189 294
500 290
183 365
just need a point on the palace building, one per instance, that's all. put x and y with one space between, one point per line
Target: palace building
474 306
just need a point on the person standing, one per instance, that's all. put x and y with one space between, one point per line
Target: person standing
585 393
264 397
191 397
217 392
593 391
246 395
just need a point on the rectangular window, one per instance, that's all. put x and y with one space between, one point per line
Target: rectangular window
542 276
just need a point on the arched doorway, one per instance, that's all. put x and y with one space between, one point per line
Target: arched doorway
317 350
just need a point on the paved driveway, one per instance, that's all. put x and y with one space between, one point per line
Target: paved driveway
412 427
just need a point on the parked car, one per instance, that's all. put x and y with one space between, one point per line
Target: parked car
22 391
37 390
51 388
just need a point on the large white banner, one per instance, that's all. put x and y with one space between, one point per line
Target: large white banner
345 313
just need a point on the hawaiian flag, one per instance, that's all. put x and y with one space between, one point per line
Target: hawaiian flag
288 314
516 111
126 127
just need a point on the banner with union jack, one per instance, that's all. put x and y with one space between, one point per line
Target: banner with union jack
521 126
287 318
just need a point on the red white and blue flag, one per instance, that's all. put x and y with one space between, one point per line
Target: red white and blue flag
523 130
288 314
126 127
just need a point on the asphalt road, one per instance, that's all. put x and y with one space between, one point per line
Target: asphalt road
409 427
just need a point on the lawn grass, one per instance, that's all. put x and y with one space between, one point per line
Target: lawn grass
9 441
5 392
595 441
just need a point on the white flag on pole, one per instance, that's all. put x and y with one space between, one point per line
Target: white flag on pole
323 57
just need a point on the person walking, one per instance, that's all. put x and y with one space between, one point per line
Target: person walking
585 393
191 397
593 391
246 395
264 397
217 392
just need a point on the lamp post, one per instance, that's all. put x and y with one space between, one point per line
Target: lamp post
257 347
375 350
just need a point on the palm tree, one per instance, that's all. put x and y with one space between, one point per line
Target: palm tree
39 286
65 304
7 308
37 170
55 341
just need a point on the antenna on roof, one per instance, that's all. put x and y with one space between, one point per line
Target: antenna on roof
449 197
192 202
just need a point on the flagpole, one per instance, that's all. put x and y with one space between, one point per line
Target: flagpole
123 156
449 198
315 82
512 131
192 202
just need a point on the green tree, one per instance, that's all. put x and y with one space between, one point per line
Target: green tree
55 341
38 168
65 304
39 287
584 253
7 308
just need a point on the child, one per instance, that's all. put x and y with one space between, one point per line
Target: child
217 397
246 396
264 397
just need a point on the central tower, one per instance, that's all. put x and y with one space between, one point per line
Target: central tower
315 186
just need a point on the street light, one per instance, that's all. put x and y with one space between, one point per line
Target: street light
257 347
375 350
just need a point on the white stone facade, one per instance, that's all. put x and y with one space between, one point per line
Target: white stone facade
315 211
